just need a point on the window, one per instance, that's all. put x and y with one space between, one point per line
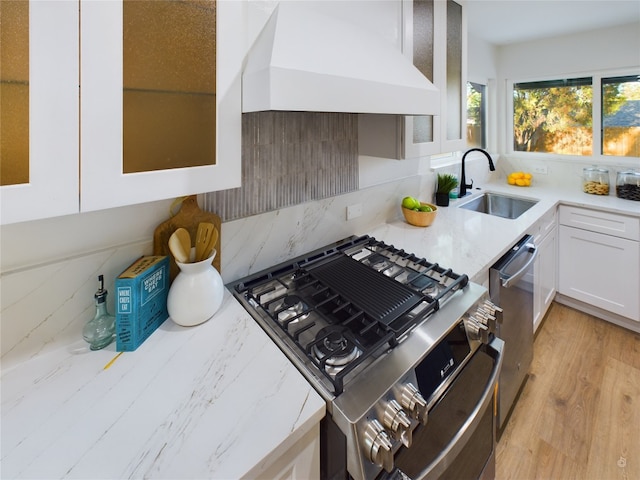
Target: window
476 115
553 116
559 116
621 116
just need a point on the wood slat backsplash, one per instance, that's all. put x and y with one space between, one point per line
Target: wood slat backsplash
290 158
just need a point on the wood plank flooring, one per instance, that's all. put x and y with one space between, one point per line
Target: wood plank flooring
578 416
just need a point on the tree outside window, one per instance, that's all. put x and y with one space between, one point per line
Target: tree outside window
476 111
621 116
557 116
553 117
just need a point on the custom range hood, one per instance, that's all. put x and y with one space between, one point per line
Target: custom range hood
305 60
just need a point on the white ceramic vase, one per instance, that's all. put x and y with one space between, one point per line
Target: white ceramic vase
196 293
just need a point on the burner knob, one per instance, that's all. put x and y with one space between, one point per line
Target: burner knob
477 330
378 446
413 401
397 421
492 309
485 318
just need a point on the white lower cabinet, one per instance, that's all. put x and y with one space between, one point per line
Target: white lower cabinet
600 269
300 462
545 267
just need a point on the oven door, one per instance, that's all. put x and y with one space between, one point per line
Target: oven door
458 441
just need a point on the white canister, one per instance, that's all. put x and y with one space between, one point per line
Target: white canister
196 293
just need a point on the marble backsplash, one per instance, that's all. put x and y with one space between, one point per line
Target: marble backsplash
559 172
45 306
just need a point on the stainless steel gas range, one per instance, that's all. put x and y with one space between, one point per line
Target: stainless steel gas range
402 349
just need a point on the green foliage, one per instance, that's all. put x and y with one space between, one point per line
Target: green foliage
446 182
631 90
556 116
612 98
474 99
549 110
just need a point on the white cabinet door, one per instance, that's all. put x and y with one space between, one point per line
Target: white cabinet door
104 183
75 144
600 270
435 39
50 152
425 43
545 269
453 118
445 132
300 462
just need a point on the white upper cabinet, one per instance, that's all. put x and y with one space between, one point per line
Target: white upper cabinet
438 48
160 117
157 115
39 116
435 38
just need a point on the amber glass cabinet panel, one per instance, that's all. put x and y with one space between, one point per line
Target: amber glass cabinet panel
14 92
169 84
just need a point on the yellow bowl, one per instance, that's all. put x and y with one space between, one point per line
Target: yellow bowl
420 219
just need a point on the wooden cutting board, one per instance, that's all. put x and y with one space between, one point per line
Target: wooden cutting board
189 216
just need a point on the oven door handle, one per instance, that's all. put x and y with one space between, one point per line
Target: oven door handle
457 443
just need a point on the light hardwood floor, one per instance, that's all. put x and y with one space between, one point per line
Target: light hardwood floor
578 416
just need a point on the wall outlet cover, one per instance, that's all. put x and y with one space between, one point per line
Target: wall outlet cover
354 211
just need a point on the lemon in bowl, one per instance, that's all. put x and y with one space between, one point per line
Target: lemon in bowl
520 179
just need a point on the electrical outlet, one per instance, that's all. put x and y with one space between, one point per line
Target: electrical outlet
354 211
542 169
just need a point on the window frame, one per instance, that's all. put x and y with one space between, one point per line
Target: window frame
596 79
484 113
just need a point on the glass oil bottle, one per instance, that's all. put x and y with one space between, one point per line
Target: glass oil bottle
101 329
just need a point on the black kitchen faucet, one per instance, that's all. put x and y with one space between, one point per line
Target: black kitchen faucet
463 180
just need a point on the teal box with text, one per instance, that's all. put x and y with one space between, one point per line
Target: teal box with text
141 301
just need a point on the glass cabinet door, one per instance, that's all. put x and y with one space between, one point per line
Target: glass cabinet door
161 112
14 92
38 109
454 115
424 39
436 42
169 91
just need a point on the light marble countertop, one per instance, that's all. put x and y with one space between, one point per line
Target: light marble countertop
211 401
470 242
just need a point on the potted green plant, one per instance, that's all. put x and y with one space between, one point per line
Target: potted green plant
446 183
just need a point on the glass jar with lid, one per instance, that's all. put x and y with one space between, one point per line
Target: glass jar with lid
595 180
628 185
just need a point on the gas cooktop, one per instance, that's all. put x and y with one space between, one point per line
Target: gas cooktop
338 309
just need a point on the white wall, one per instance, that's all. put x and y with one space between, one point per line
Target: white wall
482 60
609 48
483 68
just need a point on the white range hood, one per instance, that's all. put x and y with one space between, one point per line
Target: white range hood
305 60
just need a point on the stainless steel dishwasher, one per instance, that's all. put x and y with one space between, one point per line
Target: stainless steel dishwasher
511 287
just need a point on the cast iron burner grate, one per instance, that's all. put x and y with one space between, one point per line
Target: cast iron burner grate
381 297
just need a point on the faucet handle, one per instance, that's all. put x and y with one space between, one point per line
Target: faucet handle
469 185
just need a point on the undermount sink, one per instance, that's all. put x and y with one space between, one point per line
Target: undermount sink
499 205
